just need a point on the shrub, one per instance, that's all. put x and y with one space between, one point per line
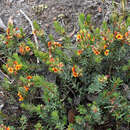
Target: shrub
90 77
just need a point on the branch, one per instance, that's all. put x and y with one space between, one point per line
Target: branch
4 75
30 22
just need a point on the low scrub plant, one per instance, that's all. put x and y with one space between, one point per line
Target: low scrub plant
90 90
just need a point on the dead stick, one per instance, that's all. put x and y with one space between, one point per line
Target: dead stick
10 80
35 37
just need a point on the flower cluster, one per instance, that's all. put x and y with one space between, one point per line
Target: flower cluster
56 65
20 96
76 71
13 66
23 49
26 87
95 51
2 127
85 36
11 33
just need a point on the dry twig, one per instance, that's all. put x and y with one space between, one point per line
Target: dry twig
31 23
4 75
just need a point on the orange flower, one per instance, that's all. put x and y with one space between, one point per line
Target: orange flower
26 88
8 37
7 128
78 37
57 44
18 35
49 44
119 36
104 38
106 52
21 50
73 69
15 62
115 32
34 32
96 52
20 96
29 77
11 70
75 74
55 69
27 48
89 36
6 42
18 67
7 31
61 64
126 34
16 28
105 46
52 59
79 52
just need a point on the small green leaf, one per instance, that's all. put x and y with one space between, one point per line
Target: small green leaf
88 19
59 28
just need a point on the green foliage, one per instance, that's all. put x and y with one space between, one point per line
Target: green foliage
90 76
59 28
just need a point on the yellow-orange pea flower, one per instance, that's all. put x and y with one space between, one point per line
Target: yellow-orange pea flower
20 96
119 36
18 35
49 44
104 38
10 70
127 34
15 62
79 52
29 77
8 37
78 37
21 50
96 52
55 69
7 128
106 52
75 74
105 46
18 67
89 36
26 88
61 64
27 48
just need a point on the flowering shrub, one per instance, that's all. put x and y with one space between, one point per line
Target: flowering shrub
90 76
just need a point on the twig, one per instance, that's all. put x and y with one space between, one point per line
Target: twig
35 37
4 75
